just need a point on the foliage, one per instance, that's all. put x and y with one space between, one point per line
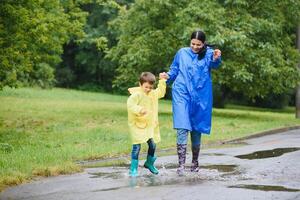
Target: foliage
85 58
31 37
259 53
256 39
107 43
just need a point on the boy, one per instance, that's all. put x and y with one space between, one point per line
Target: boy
142 106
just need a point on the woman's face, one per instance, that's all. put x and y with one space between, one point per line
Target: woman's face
196 45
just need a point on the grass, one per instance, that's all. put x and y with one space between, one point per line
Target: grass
45 132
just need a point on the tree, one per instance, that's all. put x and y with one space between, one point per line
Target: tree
256 39
84 63
298 88
259 52
31 37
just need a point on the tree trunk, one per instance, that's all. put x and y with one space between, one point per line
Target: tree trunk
298 89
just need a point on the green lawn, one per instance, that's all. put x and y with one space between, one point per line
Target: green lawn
43 132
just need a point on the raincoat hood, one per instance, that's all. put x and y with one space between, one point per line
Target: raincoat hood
133 90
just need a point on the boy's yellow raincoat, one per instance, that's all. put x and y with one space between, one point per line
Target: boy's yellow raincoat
144 127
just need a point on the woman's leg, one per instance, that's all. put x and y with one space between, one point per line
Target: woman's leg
196 141
134 159
149 164
182 135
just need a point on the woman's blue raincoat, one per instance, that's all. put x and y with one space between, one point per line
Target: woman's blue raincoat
192 90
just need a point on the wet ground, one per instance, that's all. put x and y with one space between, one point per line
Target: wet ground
264 168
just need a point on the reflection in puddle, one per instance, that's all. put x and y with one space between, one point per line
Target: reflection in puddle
153 181
267 153
114 175
108 189
221 168
266 188
214 154
168 166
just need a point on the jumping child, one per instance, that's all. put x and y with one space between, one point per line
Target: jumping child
142 106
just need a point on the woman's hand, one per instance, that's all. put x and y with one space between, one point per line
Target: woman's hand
217 54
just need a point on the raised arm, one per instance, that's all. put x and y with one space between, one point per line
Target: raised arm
161 88
215 59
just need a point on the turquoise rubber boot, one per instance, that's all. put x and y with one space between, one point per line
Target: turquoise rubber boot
133 171
149 164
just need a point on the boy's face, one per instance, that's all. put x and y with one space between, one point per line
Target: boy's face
147 87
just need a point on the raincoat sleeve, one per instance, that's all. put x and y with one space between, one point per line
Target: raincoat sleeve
214 63
132 104
161 89
174 68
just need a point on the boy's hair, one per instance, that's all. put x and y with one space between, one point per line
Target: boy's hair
147 77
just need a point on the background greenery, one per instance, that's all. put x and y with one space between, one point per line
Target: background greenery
103 45
44 132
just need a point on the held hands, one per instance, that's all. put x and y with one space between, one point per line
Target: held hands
217 54
163 75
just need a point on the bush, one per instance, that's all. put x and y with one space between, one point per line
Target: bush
272 101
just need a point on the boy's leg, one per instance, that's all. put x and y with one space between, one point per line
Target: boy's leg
135 151
196 141
134 159
182 135
149 164
151 147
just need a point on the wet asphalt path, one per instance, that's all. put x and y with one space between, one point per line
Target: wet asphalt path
267 167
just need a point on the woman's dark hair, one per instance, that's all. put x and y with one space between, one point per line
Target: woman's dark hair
147 77
200 35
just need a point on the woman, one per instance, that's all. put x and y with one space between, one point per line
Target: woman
192 95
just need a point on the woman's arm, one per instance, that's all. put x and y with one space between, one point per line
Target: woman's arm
174 68
215 59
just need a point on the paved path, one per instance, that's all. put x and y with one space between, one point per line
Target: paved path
234 173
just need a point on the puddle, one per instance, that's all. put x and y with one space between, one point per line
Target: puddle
168 176
154 181
221 168
266 188
267 153
108 189
169 166
114 175
214 154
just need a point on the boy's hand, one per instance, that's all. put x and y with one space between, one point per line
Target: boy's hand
163 75
217 54
143 111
